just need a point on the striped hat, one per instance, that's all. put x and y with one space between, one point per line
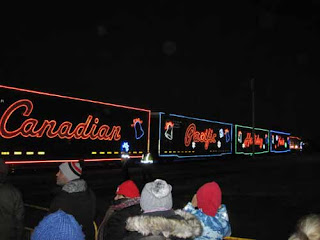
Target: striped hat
72 170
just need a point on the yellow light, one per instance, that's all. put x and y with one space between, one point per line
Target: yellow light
17 153
101 152
5 153
29 153
41 153
93 153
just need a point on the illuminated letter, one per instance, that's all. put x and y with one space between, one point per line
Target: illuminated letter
27 104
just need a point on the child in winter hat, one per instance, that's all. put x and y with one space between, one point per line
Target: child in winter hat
58 226
128 189
209 198
156 196
207 207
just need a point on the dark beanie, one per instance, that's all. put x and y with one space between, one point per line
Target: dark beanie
3 171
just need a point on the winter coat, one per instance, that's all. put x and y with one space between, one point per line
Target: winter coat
11 213
170 225
114 222
77 199
214 228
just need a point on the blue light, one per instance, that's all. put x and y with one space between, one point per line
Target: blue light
125 147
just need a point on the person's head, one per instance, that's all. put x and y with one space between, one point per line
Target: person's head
127 189
58 226
308 228
68 171
156 196
3 171
209 198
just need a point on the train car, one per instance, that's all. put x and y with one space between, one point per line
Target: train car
179 137
42 128
245 143
295 143
279 142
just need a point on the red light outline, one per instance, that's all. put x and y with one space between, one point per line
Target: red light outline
70 160
74 98
84 100
109 133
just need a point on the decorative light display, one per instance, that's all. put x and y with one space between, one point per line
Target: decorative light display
138 130
125 147
67 128
279 142
168 130
244 140
295 143
187 137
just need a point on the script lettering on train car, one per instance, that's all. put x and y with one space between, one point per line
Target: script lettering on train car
281 141
207 136
88 129
257 140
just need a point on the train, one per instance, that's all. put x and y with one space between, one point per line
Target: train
41 128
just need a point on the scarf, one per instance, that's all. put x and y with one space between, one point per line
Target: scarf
113 208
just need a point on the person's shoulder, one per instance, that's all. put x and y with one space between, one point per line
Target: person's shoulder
10 187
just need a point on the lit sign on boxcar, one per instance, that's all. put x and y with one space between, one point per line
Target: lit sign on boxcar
244 140
181 136
279 141
43 127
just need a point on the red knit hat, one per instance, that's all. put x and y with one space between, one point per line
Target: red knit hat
209 198
129 189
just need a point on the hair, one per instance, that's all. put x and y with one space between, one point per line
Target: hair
308 228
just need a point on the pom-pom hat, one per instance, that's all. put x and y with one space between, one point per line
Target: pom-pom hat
72 170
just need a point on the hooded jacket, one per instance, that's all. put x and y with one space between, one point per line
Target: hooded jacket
11 212
77 199
214 228
169 225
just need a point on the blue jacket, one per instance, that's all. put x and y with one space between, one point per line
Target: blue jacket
214 228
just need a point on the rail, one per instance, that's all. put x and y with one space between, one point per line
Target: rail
237 238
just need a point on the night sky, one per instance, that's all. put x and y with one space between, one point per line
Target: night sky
176 57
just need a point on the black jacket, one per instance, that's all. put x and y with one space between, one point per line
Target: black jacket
77 199
11 213
114 222
169 225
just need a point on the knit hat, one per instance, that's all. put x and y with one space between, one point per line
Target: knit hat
72 170
209 198
156 196
128 189
3 171
58 226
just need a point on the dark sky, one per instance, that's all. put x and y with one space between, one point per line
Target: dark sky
177 57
